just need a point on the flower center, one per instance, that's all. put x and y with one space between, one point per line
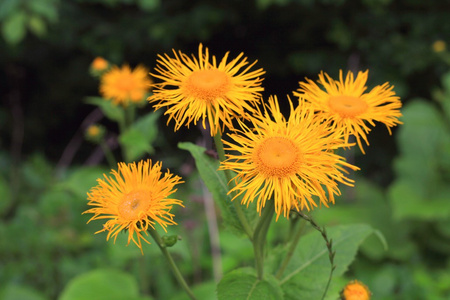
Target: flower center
133 204
277 156
207 84
347 106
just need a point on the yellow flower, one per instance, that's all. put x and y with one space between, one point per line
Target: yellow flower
134 199
199 88
123 85
286 161
439 46
349 107
355 290
93 131
99 64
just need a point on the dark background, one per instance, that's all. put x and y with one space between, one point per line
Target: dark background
44 68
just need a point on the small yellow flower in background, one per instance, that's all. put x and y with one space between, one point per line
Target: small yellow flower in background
134 199
439 46
199 88
99 64
123 85
345 103
286 161
95 133
355 290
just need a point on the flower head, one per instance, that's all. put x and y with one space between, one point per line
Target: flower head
439 46
355 290
286 161
99 64
134 199
200 88
347 105
95 133
123 85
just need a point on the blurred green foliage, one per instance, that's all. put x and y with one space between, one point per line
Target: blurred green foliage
46 47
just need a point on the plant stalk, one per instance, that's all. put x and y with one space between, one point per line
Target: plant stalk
295 239
173 266
108 154
329 244
259 237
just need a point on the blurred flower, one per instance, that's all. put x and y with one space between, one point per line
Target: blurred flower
99 64
123 85
439 46
355 290
194 89
286 161
95 133
348 107
134 200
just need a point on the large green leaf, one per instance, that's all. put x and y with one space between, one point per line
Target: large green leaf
102 284
138 139
409 202
307 273
370 206
421 189
243 284
422 131
215 181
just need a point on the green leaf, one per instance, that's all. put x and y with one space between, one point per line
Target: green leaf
138 139
19 292
149 5
47 9
409 202
37 26
215 181
109 109
243 284
101 284
14 27
7 7
205 290
147 125
82 180
307 273
422 122
134 144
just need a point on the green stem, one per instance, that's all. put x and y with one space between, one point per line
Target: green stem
172 264
238 207
108 155
130 112
259 236
329 244
292 246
